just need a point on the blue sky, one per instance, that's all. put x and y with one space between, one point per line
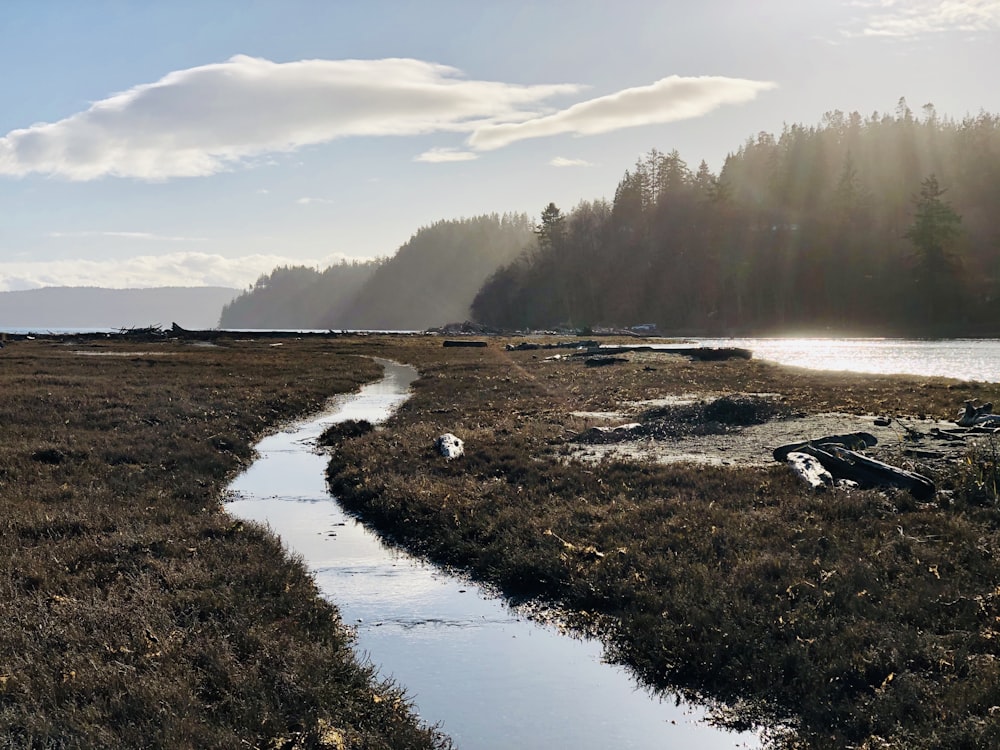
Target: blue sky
190 143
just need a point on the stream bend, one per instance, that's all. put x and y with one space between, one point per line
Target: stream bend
491 677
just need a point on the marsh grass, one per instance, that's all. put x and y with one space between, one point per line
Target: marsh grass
859 619
135 612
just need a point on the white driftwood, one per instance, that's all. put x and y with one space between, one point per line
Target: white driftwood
809 470
449 446
629 427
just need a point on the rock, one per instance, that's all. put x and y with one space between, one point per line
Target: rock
449 446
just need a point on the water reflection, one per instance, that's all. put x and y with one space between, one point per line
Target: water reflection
490 676
965 359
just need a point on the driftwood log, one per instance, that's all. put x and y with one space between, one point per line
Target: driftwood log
839 455
853 440
460 343
809 470
977 416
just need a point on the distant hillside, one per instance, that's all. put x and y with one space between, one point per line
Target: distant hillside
298 297
431 280
434 277
95 307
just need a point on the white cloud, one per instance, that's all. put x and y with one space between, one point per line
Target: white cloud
561 161
173 269
306 201
913 18
668 100
439 155
126 236
205 119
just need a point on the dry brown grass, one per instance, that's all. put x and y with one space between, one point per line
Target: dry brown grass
850 619
135 612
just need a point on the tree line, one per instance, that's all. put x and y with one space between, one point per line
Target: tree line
878 225
430 280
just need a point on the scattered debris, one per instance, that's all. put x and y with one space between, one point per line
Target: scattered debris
852 440
836 456
604 361
528 346
977 416
596 434
702 353
468 327
153 331
449 446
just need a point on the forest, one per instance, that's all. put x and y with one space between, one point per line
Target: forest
874 225
885 225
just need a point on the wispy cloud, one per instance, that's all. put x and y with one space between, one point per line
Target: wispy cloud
306 201
915 18
125 236
440 155
173 269
561 161
203 120
210 118
667 100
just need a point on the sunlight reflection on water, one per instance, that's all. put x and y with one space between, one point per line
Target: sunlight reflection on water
965 359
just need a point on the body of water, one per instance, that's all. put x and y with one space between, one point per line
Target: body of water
965 359
493 678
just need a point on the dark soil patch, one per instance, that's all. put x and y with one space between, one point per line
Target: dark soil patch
715 417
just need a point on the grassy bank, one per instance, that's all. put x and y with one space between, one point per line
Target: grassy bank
859 619
135 612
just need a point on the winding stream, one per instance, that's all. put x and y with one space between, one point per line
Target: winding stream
491 677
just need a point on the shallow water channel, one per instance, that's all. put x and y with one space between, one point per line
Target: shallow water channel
490 676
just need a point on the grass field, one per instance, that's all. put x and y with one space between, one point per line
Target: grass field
138 614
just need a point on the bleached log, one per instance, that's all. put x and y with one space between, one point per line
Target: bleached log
869 472
809 470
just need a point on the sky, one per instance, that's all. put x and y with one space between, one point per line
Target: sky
190 143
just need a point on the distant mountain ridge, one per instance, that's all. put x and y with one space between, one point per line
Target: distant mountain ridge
97 307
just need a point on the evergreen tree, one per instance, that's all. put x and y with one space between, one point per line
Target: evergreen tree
935 228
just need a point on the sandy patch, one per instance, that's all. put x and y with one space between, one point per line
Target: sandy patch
753 445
